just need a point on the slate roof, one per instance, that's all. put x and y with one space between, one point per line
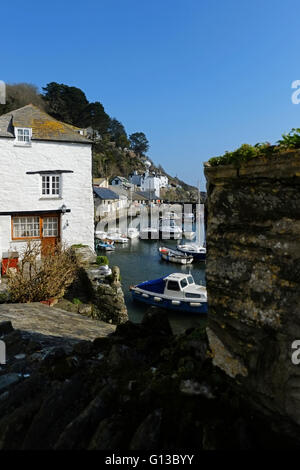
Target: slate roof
44 127
104 193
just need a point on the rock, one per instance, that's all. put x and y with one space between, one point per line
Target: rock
7 380
156 320
84 255
5 328
85 309
146 436
190 387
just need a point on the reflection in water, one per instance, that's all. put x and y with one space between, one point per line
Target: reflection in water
139 261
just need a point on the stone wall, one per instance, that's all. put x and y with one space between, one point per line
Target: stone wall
253 279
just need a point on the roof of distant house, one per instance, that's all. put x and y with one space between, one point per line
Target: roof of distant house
104 193
44 127
99 180
122 178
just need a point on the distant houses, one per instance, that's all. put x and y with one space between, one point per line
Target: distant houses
149 182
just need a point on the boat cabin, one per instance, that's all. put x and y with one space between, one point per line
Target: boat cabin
179 285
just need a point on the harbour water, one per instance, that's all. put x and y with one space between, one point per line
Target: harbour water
139 261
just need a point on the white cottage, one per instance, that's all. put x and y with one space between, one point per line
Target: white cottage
46 182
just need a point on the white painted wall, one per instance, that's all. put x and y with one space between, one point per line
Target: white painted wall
22 192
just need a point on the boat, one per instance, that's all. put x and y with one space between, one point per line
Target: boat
100 234
132 233
168 229
117 237
176 292
193 249
107 245
174 256
147 233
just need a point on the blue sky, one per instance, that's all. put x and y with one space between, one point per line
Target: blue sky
199 77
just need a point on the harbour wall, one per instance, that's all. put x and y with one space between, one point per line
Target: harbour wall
253 280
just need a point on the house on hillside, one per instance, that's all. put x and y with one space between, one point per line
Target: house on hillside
106 202
121 181
46 174
100 182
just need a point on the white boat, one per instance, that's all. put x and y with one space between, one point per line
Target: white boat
174 256
168 229
175 292
117 237
100 234
147 233
133 233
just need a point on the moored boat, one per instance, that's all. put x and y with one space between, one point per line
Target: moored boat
193 249
176 292
132 232
107 245
174 256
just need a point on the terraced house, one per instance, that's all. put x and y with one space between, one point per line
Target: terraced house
46 182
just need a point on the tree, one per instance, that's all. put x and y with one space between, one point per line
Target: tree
95 116
21 94
139 143
65 103
118 133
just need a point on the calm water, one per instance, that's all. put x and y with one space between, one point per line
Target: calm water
139 261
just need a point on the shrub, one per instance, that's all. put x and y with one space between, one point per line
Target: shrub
41 278
76 301
290 140
102 260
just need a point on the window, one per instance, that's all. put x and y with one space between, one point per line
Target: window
183 283
51 185
50 227
173 285
23 136
26 227
190 280
40 227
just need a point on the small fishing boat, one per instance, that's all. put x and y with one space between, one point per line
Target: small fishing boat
100 234
117 237
107 245
174 292
193 249
174 256
132 233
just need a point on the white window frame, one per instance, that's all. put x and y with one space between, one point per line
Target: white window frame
24 132
54 192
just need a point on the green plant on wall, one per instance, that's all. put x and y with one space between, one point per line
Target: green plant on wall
102 260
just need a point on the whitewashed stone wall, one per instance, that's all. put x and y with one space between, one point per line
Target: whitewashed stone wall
22 192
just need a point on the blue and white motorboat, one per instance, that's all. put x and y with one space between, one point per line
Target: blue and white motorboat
193 249
107 245
176 292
